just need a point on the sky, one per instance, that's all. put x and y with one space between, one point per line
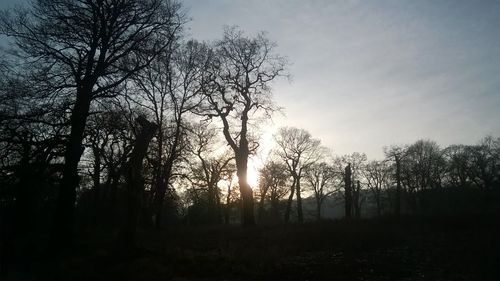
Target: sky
368 74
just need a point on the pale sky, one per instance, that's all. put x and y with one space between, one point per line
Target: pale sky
367 74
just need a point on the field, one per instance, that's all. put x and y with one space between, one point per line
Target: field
444 249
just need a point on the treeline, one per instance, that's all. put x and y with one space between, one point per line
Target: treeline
415 179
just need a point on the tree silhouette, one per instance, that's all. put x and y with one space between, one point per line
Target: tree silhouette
323 179
299 151
241 73
348 191
170 89
485 162
86 49
209 167
459 165
114 124
272 181
109 135
135 180
377 175
350 166
423 169
397 153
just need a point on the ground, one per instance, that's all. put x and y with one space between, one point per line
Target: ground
410 249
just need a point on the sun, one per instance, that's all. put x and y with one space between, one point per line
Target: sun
252 174
254 164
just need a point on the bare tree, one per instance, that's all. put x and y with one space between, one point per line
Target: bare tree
86 49
377 175
31 144
109 135
350 167
171 88
323 179
458 165
423 168
396 154
233 197
485 158
272 181
135 180
210 167
425 160
299 151
241 73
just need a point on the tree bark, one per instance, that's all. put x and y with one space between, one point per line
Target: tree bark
397 205
159 197
135 181
379 206
289 202
348 192
227 208
318 209
300 216
166 172
261 203
62 230
357 203
245 189
96 179
96 174
275 209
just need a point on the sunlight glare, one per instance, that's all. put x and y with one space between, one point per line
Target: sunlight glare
253 174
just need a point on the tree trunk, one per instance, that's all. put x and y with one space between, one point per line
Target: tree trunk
213 200
113 193
289 202
275 209
166 174
227 209
261 203
159 199
379 206
248 217
300 216
62 230
397 205
247 198
357 203
96 174
17 216
318 209
96 179
218 209
135 181
245 189
211 207
348 191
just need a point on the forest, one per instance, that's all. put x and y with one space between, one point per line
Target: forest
128 151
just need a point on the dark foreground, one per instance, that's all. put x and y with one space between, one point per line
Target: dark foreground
458 249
